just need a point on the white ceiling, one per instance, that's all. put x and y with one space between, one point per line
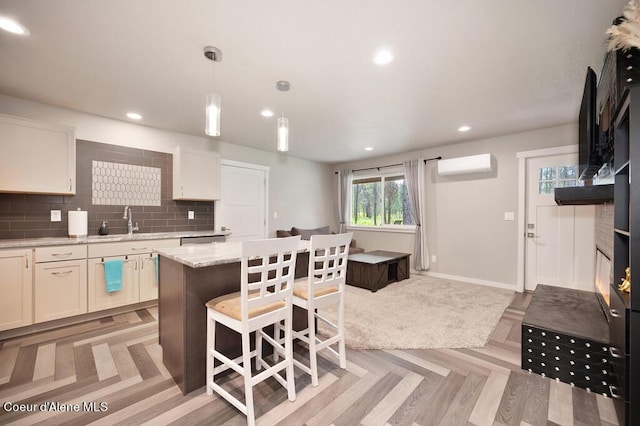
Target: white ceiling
499 66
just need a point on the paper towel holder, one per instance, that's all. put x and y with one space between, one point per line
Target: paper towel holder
77 225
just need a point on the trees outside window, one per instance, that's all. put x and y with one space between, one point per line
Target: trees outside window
380 200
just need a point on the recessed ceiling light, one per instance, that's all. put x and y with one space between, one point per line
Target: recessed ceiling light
464 128
369 148
134 116
382 57
12 26
266 113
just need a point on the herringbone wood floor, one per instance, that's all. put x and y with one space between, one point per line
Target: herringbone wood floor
117 361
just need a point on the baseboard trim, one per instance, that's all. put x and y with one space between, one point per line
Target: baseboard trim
471 280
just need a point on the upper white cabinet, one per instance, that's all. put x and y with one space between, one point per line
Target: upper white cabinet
36 157
196 175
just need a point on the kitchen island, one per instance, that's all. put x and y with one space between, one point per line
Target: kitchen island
188 277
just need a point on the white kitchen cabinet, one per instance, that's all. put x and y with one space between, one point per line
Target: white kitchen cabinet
16 283
196 175
36 157
60 286
98 297
148 277
139 280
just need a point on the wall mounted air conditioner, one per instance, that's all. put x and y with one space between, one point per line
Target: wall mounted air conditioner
470 164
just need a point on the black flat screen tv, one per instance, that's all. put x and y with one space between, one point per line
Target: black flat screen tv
590 159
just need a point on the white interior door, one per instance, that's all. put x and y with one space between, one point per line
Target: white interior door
243 200
560 240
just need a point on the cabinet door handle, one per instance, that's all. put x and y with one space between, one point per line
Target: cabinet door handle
70 184
615 352
613 390
139 249
26 258
61 274
614 313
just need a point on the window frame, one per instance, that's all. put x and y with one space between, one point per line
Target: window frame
389 172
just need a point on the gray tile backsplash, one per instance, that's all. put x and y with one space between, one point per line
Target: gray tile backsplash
29 215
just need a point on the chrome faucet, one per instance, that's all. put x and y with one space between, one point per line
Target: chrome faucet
129 216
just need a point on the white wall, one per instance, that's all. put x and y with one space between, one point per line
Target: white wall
301 191
465 213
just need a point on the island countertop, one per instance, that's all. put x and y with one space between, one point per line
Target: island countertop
202 255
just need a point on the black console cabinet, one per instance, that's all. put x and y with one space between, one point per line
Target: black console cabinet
565 336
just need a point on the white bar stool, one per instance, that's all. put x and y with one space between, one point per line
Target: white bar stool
265 298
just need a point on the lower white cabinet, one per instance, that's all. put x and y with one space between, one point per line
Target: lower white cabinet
148 277
17 284
99 299
60 283
60 290
139 278
54 282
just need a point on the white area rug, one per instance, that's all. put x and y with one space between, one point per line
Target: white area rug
420 313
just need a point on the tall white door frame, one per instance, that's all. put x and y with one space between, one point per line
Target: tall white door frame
522 205
265 170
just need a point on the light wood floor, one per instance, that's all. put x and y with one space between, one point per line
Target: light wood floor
117 361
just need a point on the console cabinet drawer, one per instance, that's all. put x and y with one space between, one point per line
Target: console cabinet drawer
618 326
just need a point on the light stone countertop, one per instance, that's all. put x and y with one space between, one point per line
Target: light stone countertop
61 241
201 255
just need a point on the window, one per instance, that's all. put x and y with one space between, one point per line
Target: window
380 200
557 177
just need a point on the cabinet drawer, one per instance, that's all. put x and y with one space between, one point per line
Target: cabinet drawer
129 247
619 368
618 326
57 253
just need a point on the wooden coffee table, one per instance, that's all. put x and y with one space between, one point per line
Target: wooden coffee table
376 269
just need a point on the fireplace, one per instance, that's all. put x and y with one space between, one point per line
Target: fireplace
603 281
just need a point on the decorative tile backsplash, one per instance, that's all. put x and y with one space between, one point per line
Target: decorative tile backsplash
125 184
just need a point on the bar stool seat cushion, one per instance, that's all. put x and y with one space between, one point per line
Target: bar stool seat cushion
229 304
301 289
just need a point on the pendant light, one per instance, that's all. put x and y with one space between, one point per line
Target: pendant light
283 122
283 134
212 111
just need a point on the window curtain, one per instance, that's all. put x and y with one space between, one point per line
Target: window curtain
414 172
344 182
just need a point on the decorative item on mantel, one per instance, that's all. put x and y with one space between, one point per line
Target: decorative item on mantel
626 281
625 33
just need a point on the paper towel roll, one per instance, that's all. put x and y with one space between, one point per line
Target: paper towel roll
78 223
